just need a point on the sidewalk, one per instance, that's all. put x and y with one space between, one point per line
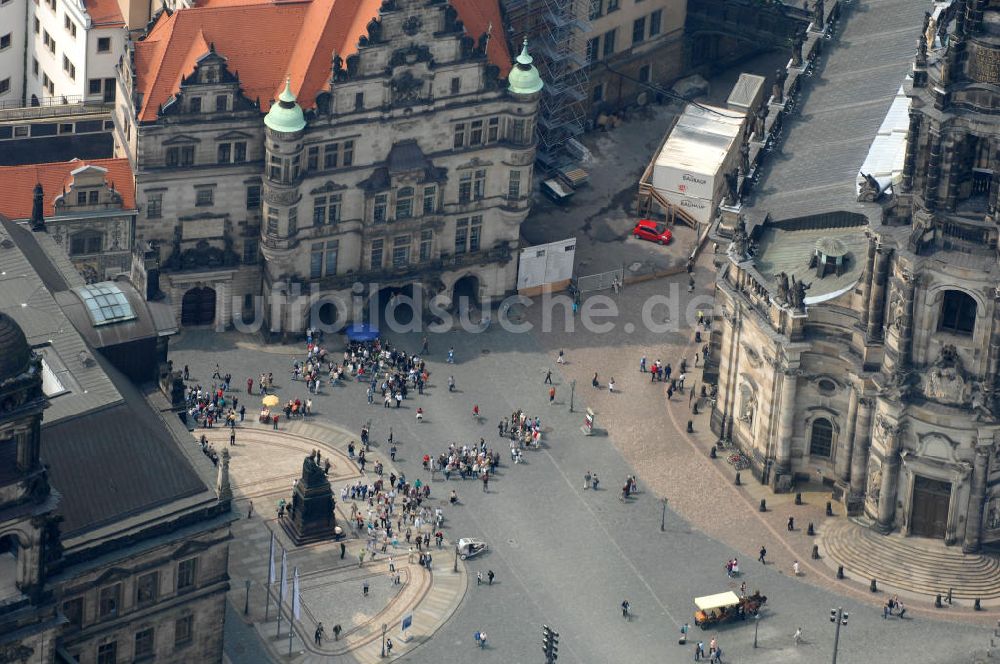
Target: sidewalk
264 465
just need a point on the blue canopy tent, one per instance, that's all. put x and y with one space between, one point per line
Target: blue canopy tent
362 332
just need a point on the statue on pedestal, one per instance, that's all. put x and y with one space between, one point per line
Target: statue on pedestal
311 517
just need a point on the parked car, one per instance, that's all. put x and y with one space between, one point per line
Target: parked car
654 231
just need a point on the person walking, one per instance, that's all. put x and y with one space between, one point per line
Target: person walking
451 355
699 651
586 480
243 412
479 578
795 568
364 588
318 634
425 348
642 364
451 383
797 637
250 510
552 395
561 359
611 385
490 576
594 381
548 377
232 437
625 608
763 555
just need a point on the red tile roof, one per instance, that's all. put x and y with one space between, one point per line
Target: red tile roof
104 13
269 40
17 195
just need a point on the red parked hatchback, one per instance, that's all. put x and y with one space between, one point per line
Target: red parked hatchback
647 229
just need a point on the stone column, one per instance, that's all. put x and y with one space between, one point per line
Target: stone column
890 478
842 465
974 518
876 296
993 355
786 426
722 414
906 324
910 162
223 489
868 276
933 172
859 455
951 172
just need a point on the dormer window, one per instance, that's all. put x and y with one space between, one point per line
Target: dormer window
87 197
222 103
195 104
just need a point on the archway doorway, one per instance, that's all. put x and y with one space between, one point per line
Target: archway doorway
465 293
929 511
9 550
198 306
395 306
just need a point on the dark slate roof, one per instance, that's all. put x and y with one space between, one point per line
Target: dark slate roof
39 260
841 109
406 156
57 148
115 463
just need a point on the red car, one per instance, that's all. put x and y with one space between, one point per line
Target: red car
647 229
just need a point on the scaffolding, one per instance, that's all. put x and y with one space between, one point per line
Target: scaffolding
555 29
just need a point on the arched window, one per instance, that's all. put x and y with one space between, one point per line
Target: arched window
404 203
958 313
86 242
821 440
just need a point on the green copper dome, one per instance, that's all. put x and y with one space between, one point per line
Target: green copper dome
285 114
523 79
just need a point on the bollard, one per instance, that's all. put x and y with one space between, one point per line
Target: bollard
873 587
810 531
829 508
690 428
763 505
977 606
840 572
815 553
937 601
712 453
798 498
737 478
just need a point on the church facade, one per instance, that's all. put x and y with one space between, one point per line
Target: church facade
872 360
396 155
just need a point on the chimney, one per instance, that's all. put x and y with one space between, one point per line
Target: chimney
37 219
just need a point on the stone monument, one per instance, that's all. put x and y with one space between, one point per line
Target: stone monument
310 517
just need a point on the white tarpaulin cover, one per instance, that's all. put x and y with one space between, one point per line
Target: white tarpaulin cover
728 598
887 152
701 147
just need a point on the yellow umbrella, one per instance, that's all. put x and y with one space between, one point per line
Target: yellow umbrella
271 400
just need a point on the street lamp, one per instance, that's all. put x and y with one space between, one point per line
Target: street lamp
455 568
385 628
839 617
663 517
756 623
246 605
572 391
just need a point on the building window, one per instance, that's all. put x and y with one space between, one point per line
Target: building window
638 30
103 44
348 159
86 242
461 236
38 25
404 203
479 184
232 153
107 653
456 85
426 245
147 587
331 256
5 41
375 258
821 440
476 132
609 43
430 199
109 601
195 105
154 205
81 198
326 209
401 251
312 158
49 42
183 631
222 103
359 101
180 156
655 22
493 130
518 131
459 141
253 197
596 9
593 49
204 196
272 221
34 66
70 26
514 185
239 152
598 93
331 155
958 313
644 73
73 610
250 252
293 220
475 233
225 152
379 208
612 6
94 85
275 168
465 188
186 570
316 261
144 640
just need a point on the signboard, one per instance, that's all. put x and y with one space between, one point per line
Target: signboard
546 266
404 626
588 423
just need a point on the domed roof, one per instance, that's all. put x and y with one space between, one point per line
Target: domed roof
523 79
286 115
15 353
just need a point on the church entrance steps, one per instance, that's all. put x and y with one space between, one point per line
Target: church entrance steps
919 565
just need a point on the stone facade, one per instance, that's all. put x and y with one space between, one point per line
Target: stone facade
888 387
413 171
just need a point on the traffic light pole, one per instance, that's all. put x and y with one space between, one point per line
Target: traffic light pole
550 643
838 617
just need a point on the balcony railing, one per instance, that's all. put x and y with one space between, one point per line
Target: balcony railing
54 107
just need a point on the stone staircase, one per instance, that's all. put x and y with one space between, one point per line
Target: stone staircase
918 565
